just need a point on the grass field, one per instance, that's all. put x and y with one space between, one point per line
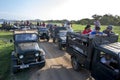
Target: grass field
6 48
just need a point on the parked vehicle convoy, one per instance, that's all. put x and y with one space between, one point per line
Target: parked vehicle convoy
27 52
44 33
100 55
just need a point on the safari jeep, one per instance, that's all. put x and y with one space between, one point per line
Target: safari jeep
56 33
100 55
61 39
44 33
27 52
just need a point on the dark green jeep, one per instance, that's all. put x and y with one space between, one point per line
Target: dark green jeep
100 55
27 52
61 39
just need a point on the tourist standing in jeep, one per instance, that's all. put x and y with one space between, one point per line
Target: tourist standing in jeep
87 30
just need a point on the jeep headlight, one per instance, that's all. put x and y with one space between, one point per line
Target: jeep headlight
21 56
37 54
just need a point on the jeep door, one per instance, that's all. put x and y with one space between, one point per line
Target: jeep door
101 70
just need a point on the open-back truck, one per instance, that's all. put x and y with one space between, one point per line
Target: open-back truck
87 52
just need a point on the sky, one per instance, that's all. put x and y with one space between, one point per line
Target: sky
56 9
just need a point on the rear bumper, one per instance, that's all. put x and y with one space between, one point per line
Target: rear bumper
23 66
63 44
43 37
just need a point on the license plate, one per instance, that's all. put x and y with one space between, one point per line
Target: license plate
24 66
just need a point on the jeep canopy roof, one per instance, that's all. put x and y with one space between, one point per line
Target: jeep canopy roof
25 36
113 47
25 31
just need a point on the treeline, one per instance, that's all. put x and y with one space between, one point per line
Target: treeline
106 19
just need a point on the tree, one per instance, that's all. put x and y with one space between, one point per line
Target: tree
85 21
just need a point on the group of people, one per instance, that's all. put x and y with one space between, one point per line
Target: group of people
96 31
106 59
41 24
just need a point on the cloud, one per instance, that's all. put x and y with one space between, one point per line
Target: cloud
58 9
78 9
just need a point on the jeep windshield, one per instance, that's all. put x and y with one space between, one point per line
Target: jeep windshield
62 34
25 37
42 30
27 47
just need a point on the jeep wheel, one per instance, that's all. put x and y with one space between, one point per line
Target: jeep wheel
41 65
53 40
48 39
75 64
60 47
14 70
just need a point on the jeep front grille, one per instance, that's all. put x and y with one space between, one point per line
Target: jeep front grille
29 57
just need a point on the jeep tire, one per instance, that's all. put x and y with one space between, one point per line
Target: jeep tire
53 40
14 70
47 38
75 64
60 46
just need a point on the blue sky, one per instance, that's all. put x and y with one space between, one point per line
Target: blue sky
57 9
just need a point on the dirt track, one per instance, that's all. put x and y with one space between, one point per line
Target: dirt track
58 67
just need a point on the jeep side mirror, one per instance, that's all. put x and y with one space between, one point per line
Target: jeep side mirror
11 40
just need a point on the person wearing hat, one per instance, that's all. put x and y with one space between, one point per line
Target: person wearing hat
96 23
108 30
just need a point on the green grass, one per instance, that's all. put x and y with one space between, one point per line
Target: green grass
80 28
77 27
5 35
5 51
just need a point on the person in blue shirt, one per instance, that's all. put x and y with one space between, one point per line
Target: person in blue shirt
96 32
